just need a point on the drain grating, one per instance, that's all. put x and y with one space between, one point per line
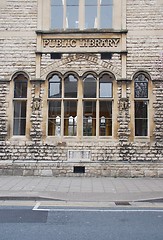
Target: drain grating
79 169
122 203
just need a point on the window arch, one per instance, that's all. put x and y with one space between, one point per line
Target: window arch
20 104
141 104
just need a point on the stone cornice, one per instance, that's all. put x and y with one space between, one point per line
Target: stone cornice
96 31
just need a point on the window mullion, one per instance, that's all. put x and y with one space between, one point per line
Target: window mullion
98 14
81 14
64 15
97 117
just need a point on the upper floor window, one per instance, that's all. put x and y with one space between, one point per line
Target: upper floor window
20 105
141 104
81 14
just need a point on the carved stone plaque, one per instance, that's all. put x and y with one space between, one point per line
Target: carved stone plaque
79 155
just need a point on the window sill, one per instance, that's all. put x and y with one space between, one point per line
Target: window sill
142 139
18 138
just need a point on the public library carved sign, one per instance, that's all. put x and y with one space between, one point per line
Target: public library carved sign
80 43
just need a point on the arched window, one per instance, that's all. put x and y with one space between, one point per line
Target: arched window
70 105
105 105
54 105
62 104
97 105
80 106
141 104
20 104
89 105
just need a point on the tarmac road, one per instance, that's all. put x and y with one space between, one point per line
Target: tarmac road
57 223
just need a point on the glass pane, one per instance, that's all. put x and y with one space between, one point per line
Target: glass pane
57 2
141 86
57 14
106 16
19 118
141 128
141 89
141 78
54 118
105 118
89 118
70 87
89 87
106 2
70 118
20 89
106 86
105 90
141 118
55 87
72 11
90 14
141 109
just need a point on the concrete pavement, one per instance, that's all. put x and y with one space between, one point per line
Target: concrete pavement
81 189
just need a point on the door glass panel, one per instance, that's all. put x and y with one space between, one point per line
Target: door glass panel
89 118
54 118
70 118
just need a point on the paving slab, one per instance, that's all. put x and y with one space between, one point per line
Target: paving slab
81 189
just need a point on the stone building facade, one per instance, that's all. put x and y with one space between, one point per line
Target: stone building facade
81 87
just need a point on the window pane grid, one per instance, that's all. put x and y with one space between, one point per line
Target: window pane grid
20 105
95 109
54 118
96 14
89 118
19 118
70 118
141 104
141 118
105 123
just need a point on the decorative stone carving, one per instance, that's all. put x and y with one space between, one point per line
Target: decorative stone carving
124 103
36 104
